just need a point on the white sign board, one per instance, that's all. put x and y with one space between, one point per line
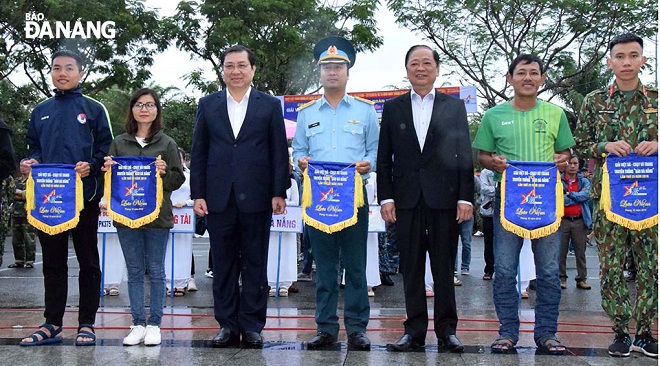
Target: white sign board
288 222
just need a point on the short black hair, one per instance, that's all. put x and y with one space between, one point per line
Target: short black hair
68 53
239 48
436 56
529 59
625 38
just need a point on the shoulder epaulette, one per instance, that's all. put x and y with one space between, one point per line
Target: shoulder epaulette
305 105
370 102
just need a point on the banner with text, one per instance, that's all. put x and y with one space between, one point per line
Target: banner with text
468 94
532 202
53 197
630 190
133 190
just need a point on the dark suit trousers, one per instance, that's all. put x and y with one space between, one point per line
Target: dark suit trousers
239 245
419 230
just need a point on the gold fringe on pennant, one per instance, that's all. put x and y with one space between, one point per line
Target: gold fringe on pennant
539 232
30 204
329 229
131 223
307 190
606 206
29 193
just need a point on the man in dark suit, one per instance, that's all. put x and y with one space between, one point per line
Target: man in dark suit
238 179
426 185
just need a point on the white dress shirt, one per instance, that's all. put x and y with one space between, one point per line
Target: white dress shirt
236 110
421 110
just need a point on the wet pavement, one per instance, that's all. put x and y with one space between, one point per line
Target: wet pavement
188 325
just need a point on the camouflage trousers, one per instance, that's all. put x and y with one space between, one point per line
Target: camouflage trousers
388 251
614 241
4 228
23 240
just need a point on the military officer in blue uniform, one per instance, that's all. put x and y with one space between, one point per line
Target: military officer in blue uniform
339 128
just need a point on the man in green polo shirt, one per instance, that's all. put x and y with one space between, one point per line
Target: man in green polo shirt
524 129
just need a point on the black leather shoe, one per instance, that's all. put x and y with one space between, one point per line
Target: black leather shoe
385 280
252 340
320 340
224 338
450 343
359 341
405 344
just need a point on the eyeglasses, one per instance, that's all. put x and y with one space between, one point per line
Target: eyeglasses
231 67
149 105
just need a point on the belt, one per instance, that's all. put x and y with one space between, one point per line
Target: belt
573 218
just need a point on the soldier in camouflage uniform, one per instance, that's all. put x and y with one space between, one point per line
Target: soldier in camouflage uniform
6 198
23 234
619 120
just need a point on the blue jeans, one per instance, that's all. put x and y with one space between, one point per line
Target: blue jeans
144 250
506 248
465 232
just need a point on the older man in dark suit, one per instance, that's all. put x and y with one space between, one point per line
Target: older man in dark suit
426 186
238 178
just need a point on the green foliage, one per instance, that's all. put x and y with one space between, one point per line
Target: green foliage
477 39
15 106
122 61
281 33
116 101
179 119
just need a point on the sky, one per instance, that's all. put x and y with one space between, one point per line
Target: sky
373 71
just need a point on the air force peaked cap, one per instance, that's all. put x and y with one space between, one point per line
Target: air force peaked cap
334 50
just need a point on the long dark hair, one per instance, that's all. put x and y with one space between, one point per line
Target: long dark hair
156 125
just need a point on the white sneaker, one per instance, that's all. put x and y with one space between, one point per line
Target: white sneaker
136 336
152 337
192 286
457 282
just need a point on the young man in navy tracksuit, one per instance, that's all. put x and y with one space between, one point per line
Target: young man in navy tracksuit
70 128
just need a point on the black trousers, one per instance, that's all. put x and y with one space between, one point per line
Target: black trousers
489 234
239 246
55 249
420 230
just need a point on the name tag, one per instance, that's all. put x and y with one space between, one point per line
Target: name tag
650 110
313 125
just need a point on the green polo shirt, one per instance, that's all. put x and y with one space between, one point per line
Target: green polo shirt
533 135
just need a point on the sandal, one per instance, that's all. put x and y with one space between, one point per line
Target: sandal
86 334
551 347
178 292
16 265
503 346
28 265
487 276
45 338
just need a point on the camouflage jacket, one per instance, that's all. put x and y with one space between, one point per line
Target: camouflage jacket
18 208
7 198
607 115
